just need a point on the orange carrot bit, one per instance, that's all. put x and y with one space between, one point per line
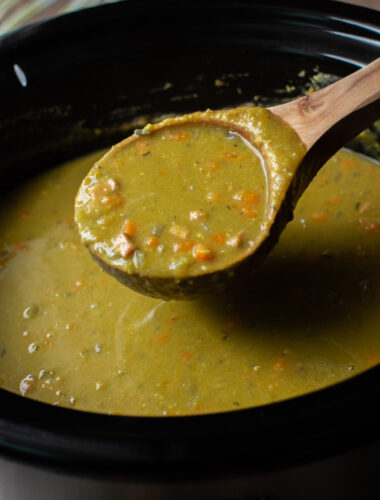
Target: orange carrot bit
179 231
279 364
212 165
162 338
247 212
369 225
231 156
161 172
248 197
129 228
25 214
201 251
152 242
372 358
112 200
348 163
318 217
185 355
18 247
177 136
219 238
183 246
165 383
124 245
335 200
141 147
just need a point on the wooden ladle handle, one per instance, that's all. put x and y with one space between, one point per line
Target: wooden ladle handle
313 115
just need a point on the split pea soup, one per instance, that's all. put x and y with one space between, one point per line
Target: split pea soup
71 335
177 202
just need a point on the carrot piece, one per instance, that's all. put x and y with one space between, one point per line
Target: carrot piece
248 197
369 225
162 338
185 355
18 247
231 156
219 238
152 242
178 136
212 165
279 364
201 251
183 246
247 212
318 217
372 358
129 228
78 285
335 200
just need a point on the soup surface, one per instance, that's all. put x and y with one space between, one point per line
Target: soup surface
73 336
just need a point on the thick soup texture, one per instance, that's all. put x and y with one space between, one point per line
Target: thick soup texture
73 336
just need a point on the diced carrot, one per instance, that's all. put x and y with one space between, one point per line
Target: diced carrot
279 364
179 231
18 247
247 212
201 251
177 136
129 228
369 225
161 172
231 156
248 197
372 358
124 245
183 246
165 383
25 214
212 165
141 147
318 217
69 221
335 200
162 338
219 238
185 355
348 163
152 242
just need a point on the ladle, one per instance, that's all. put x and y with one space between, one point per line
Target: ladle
324 121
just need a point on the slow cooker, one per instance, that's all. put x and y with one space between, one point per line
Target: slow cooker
81 81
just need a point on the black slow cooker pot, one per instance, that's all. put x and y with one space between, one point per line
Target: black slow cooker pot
79 82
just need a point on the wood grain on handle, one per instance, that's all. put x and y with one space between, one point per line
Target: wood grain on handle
313 115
